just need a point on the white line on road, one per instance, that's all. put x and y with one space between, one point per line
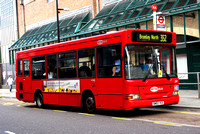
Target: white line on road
9 132
156 122
171 111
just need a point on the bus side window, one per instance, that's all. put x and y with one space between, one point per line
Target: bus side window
38 68
52 66
86 59
109 61
20 67
27 68
67 65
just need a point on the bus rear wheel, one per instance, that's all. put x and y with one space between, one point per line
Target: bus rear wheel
89 104
39 100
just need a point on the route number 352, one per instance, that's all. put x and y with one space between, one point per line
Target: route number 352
163 38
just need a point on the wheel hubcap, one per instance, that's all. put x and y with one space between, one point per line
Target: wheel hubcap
90 103
39 101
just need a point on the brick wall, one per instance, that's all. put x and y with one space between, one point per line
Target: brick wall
191 21
40 10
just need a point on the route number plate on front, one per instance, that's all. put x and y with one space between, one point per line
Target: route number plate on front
157 103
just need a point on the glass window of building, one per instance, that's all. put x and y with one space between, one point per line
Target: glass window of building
8 35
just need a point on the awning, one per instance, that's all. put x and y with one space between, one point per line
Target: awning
135 11
48 32
118 14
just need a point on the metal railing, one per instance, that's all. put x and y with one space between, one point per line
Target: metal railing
197 83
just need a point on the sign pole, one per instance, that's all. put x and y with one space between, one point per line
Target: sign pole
154 8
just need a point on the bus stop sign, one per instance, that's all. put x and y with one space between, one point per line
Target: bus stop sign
160 22
161 19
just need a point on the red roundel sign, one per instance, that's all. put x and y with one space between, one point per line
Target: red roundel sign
161 19
154 7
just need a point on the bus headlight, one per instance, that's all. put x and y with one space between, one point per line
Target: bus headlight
175 93
132 97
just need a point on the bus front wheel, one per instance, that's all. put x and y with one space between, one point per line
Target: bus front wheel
89 104
39 100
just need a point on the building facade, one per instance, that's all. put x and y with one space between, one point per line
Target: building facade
37 24
8 35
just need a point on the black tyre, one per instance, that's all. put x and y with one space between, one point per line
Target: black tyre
39 100
89 104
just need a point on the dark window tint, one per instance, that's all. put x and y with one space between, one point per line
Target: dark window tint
67 65
127 14
169 5
159 5
38 68
146 10
26 67
192 2
19 67
106 9
181 3
86 59
117 17
108 19
136 12
109 61
52 66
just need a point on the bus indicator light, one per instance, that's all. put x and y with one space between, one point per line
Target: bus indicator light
132 97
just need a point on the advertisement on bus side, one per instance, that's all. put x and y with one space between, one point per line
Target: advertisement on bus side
62 86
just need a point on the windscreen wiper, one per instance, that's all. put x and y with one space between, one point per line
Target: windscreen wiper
167 76
146 76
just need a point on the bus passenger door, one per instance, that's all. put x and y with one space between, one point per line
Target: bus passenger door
26 82
109 77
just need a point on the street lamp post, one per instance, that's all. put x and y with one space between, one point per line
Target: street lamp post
57 17
58 29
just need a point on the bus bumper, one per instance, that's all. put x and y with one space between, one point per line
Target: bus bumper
18 96
131 104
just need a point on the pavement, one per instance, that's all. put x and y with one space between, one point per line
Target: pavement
188 98
5 93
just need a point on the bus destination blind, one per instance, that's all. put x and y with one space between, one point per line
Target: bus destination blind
139 36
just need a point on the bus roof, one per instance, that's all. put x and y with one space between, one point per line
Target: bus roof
88 39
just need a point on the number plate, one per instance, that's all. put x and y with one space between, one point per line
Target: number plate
157 103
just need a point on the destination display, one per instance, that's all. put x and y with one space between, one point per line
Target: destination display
142 36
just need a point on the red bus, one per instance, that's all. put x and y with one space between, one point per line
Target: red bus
121 70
